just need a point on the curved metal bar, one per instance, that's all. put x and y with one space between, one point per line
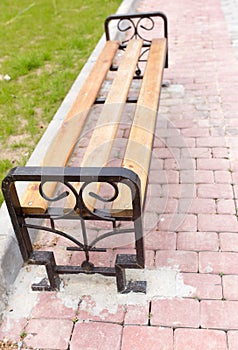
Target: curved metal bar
96 196
138 71
51 199
143 53
60 196
58 232
139 25
124 30
152 24
119 24
110 233
82 206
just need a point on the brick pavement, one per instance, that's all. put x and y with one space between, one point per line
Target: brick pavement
191 224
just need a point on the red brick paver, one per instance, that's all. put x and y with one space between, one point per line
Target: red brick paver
229 241
197 339
206 286
88 312
48 333
49 305
11 329
92 336
178 222
183 260
175 313
144 338
232 340
222 176
219 223
218 262
213 164
198 241
215 191
137 314
230 287
219 314
197 206
158 240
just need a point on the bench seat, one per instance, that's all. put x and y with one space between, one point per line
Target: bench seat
139 147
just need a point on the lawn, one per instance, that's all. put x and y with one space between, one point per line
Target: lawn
43 46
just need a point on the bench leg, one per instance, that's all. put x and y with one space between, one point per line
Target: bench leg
18 221
126 261
47 259
129 261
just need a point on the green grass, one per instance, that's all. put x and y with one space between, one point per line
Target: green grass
43 44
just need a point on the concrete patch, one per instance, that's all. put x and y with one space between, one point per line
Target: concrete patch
161 283
164 283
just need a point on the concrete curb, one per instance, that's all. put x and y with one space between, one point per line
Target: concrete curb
10 257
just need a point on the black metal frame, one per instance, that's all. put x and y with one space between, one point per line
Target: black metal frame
112 176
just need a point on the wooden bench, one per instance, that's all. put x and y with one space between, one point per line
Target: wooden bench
57 191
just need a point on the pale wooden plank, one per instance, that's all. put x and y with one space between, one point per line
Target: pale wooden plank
100 145
108 122
65 140
138 151
93 83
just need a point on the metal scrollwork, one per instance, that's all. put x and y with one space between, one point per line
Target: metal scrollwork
81 208
60 196
106 200
51 199
100 214
80 205
137 28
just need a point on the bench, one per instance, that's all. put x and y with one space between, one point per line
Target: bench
57 191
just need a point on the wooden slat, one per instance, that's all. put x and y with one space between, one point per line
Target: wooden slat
100 145
64 142
108 122
138 151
